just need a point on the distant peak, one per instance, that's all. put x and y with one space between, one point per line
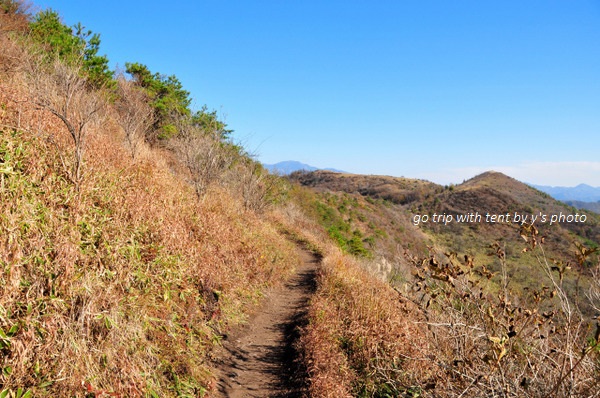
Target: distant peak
581 192
290 166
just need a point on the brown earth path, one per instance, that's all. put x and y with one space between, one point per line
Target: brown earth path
260 359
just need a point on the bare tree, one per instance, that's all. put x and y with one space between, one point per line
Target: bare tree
62 90
203 153
257 187
136 116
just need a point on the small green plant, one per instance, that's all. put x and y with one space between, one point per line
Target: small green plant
19 393
5 337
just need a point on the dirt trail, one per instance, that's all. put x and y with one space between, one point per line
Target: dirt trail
259 360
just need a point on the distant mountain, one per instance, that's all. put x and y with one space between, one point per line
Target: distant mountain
290 166
581 192
591 206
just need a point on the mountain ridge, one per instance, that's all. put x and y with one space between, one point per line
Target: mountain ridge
287 167
581 192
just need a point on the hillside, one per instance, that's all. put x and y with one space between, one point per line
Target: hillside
488 193
591 206
123 263
484 290
369 211
144 253
397 190
498 194
381 211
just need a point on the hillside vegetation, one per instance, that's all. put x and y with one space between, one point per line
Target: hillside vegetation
591 206
380 211
506 309
135 234
122 263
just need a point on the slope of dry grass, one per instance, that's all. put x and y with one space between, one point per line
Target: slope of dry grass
363 338
123 285
459 328
398 190
451 335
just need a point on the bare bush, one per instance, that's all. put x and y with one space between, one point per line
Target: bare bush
62 90
499 344
135 115
594 292
204 155
257 188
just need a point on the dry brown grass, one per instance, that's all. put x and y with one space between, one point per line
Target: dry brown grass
363 339
124 285
477 334
451 336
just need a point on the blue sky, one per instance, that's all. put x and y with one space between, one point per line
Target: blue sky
441 90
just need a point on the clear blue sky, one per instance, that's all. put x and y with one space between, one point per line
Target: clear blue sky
440 90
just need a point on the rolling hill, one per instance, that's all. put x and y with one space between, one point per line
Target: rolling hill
490 193
381 211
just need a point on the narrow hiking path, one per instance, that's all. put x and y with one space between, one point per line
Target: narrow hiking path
259 359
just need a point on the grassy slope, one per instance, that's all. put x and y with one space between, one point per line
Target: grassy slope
498 194
351 340
125 285
369 227
355 203
363 339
